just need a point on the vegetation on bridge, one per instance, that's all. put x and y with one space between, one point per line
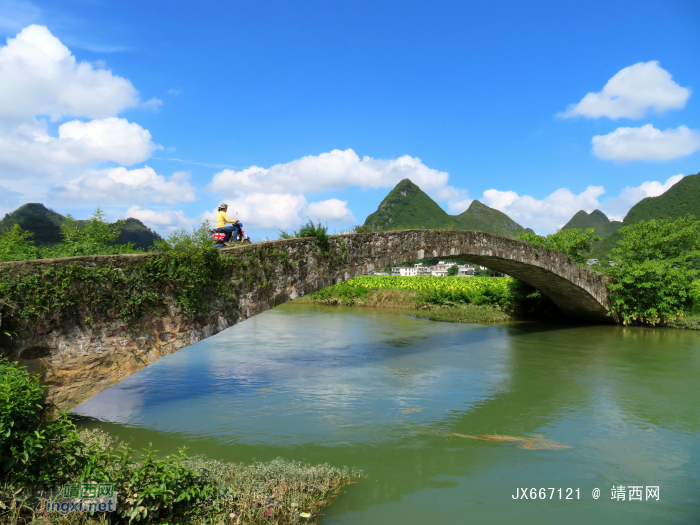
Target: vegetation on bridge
186 270
654 280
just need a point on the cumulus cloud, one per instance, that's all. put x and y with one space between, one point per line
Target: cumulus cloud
115 184
29 149
544 215
331 210
631 93
274 197
646 143
40 76
552 212
274 211
336 170
161 220
41 82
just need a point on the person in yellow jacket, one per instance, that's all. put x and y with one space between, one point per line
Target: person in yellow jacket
222 222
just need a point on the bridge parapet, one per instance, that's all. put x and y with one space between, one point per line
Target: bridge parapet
79 357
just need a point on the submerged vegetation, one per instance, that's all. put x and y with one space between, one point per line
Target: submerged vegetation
43 450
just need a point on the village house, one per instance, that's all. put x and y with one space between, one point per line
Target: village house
438 270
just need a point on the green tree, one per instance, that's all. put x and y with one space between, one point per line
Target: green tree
573 243
453 270
94 237
16 244
656 263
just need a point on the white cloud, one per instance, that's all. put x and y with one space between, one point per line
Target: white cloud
336 170
646 143
161 220
39 76
29 149
152 105
632 92
273 198
331 210
268 211
115 184
543 215
457 200
552 212
617 207
275 211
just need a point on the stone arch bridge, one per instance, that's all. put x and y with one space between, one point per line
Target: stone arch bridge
77 360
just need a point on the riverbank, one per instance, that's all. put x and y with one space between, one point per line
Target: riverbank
448 299
273 492
43 453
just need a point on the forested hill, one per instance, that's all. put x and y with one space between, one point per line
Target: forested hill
407 206
46 226
681 199
597 220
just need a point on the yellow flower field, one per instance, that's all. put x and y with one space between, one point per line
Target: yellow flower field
425 283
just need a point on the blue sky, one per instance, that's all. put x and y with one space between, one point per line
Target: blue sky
333 103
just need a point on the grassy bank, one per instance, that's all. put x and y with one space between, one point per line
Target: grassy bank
450 299
41 450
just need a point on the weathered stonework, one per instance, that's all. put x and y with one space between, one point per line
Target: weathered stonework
77 360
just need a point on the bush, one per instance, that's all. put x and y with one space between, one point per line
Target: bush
39 451
309 230
656 265
342 293
150 489
36 446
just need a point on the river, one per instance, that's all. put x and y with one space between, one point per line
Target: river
448 421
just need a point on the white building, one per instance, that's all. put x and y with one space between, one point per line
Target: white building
465 271
408 271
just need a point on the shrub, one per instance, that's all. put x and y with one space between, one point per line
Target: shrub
656 264
36 446
309 230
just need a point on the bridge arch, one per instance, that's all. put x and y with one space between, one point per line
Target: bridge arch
76 361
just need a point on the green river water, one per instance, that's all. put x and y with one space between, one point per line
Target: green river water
398 397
